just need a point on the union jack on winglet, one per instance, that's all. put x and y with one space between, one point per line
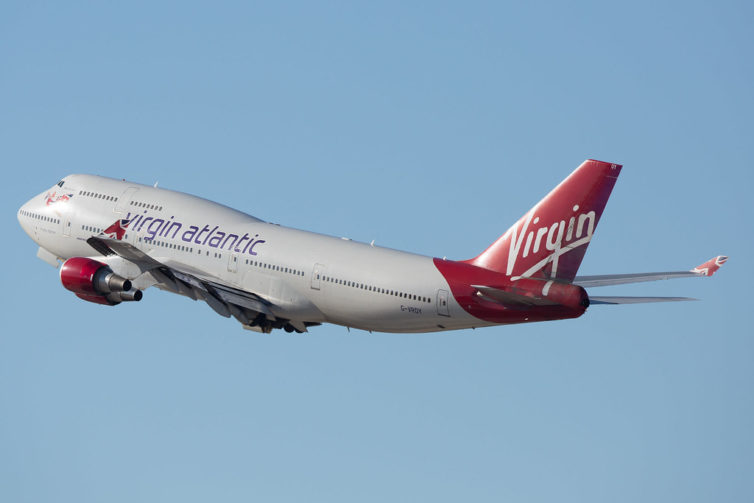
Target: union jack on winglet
711 266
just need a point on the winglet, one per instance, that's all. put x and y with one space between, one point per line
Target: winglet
710 267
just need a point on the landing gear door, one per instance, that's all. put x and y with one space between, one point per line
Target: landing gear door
442 303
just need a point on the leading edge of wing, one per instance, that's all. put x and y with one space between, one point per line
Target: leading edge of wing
708 268
110 246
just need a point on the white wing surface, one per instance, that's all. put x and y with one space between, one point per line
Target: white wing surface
706 269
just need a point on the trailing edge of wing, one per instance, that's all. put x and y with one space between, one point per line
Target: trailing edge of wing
706 269
634 300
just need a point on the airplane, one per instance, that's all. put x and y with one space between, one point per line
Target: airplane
117 238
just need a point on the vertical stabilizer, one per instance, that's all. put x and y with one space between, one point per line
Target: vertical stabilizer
550 240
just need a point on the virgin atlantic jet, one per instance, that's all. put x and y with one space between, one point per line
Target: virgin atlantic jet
117 238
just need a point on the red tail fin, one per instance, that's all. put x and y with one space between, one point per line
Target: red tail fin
550 240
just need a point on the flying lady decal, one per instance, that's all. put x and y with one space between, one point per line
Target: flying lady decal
54 197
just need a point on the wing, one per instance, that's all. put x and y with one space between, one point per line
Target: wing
253 311
706 269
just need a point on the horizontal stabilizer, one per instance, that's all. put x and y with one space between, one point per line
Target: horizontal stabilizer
634 300
706 269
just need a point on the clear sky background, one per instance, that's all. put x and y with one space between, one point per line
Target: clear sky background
429 127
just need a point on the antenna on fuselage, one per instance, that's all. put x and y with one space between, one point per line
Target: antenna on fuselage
155 184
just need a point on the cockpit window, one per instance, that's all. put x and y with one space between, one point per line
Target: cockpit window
60 183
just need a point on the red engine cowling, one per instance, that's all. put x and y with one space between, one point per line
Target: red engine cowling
95 282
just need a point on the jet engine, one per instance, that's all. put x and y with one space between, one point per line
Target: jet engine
95 282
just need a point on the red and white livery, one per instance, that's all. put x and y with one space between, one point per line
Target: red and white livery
117 238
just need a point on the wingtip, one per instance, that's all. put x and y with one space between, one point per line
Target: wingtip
711 266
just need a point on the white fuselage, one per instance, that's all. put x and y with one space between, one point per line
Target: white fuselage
305 276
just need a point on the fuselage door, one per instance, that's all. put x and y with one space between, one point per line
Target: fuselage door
66 224
317 273
233 262
442 303
124 199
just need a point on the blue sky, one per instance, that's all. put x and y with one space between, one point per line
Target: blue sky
429 127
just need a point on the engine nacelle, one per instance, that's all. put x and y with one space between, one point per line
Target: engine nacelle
95 282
